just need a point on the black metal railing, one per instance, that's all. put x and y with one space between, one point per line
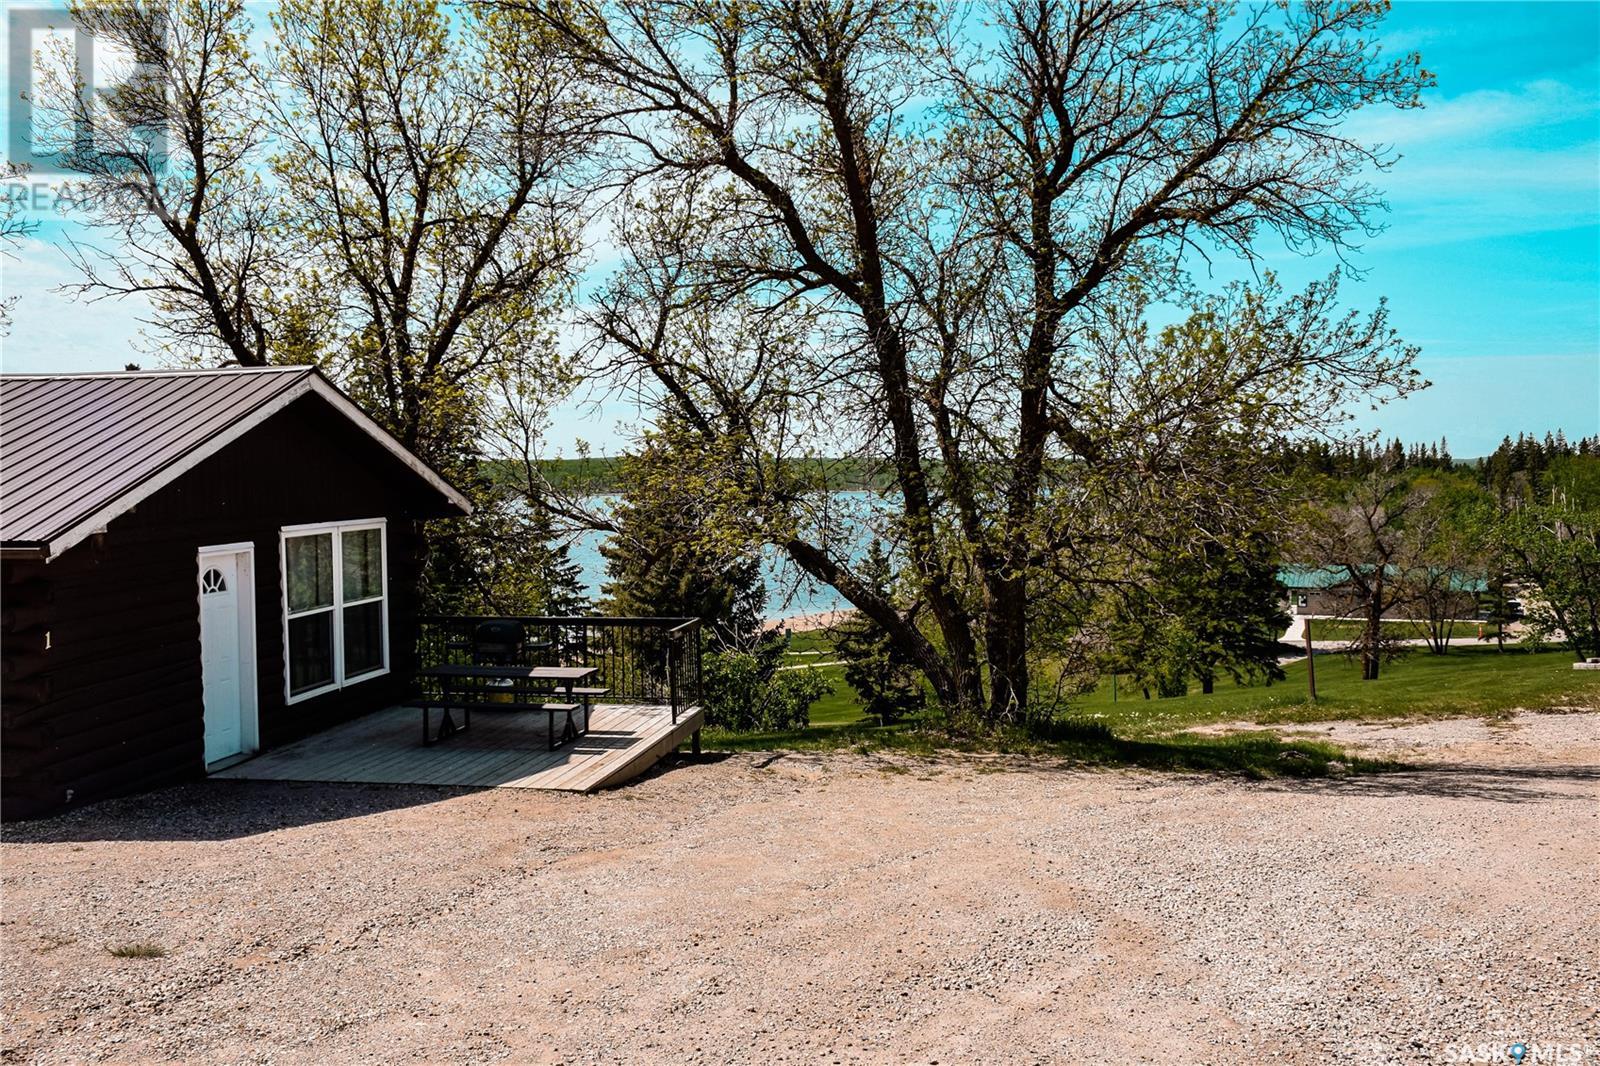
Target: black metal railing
640 660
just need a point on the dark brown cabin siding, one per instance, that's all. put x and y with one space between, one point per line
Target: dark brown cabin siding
114 704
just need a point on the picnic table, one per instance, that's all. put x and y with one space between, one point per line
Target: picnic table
463 688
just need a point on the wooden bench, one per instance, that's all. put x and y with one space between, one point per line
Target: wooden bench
588 695
448 727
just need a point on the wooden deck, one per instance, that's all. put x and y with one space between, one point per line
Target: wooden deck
501 750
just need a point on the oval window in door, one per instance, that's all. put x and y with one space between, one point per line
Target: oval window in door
213 581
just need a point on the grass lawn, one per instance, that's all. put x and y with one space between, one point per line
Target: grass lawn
841 706
1134 731
1351 628
1467 681
814 644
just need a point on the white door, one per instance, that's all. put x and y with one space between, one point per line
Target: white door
227 663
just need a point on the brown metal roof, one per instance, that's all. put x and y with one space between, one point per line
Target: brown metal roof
80 448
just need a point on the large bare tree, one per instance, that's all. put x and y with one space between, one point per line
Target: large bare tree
430 160
167 161
963 223
1366 540
388 188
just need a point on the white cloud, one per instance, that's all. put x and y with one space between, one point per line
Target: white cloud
1490 163
1484 115
1489 192
1413 38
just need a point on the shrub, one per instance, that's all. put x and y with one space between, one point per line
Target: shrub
137 951
743 694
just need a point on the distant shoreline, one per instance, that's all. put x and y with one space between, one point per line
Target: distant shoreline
809 623
601 475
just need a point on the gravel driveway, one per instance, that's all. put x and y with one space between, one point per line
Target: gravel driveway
833 908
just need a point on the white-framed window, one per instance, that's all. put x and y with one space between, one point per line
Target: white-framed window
335 611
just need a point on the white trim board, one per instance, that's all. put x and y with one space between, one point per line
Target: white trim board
313 384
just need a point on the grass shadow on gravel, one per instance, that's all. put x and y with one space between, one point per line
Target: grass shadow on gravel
1261 754
1256 754
1467 781
1318 767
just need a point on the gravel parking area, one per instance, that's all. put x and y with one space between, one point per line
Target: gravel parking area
833 908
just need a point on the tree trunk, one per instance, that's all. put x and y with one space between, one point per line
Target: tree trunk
1208 684
953 674
1372 638
1441 625
1006 645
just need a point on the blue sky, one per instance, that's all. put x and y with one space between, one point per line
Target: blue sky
1490 260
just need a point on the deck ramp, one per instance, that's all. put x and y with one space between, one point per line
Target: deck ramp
501 750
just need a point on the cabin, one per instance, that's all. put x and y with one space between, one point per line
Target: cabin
195 567
1319 591
1327 592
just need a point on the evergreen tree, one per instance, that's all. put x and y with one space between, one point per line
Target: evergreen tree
885 679
564 595
666 560
501 560
1498 608
1233 606
659 565
1203 615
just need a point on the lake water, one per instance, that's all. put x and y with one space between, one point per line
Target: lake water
789 592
